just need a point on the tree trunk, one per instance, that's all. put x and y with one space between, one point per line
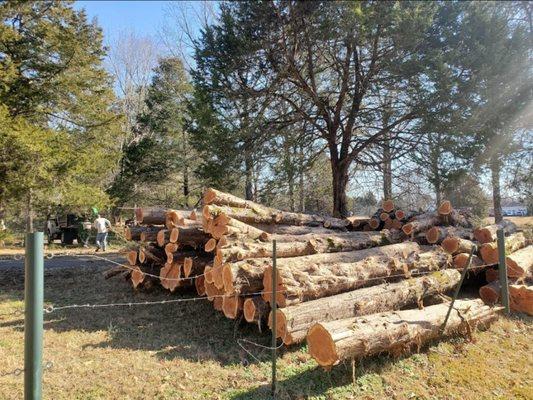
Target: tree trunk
387 167
301 186
293 322
437 234
243 277
421 223
392 332
311 277
248 172
339 170
495 167
29 212
456 245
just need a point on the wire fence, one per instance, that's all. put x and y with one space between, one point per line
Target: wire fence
241 342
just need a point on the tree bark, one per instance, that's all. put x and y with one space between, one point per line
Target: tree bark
293 322
393 332
495 167
311 277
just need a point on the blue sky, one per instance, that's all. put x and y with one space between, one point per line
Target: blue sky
142 17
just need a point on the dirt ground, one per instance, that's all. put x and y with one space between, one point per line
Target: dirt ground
189 351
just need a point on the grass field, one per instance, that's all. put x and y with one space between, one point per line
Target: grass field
189 351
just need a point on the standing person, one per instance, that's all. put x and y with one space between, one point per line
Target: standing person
102 226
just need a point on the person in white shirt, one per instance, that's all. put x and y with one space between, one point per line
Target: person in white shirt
102 226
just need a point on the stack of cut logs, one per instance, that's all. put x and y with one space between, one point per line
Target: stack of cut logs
340 282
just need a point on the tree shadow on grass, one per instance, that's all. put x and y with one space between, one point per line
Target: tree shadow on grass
190 330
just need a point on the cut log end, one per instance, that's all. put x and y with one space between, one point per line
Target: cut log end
250 310
384 216
132 257
445 208
281 323
232 306
432 235
199 285
187 267
450 244
209 196
127 233
137 277
388 205
490 293
399 214
174 234
321 346
407 228
489 253
210 245
374 223
142 255
208 274
139 215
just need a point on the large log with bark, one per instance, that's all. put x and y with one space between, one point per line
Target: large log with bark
514 242
293 322
150 216
521 298
520 263
255 309
455 245
243 277
301 245
437 234
311 277
487 233
393 332
422 222
135 232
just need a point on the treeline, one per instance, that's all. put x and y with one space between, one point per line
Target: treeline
287 103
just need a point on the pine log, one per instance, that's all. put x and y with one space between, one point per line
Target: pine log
357 223
246 215
384 216
387 205
232 306
248 230
163 237
335 223
191 236
150 216
375 223
153 254
490 293
521 298
208 275
514 242
436 234
455 245
399 215
320 275
173 219
393 332
244 277
487 234
195 265
292 229
216 197
131 256
455 218
520 263
255 309
492 274
301 245
134 232
460 260
137 277
170 276
445 208
293 322
421 223
199 285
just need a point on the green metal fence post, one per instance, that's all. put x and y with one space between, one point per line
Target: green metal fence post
274 317
33 320
502 269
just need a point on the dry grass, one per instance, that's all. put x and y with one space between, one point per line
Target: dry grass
189 351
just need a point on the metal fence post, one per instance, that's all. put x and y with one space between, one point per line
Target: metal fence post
33 320
274 316
502 269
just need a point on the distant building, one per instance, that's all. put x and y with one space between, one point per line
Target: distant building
510 208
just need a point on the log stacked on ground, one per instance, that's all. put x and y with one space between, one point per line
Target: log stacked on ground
329 269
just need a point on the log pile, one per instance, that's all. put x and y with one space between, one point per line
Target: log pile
340 282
